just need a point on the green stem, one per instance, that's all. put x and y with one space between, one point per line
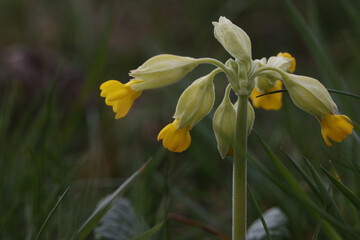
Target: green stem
213 62
264 69
239 171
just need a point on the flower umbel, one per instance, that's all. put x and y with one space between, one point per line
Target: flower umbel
335 127
120 96
175 139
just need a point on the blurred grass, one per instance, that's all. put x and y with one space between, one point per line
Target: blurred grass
57 135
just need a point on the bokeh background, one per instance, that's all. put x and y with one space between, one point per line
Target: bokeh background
56 131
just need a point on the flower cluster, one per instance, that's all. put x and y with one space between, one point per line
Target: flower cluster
247 77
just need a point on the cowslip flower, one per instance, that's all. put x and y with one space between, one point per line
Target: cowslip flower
311 96
158 71
269 82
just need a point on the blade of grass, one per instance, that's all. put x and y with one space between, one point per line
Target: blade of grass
51 214
100 211
305 176
149 233
329 90
345 190
313 209
260 213
280 166
299 194
323 191
313 43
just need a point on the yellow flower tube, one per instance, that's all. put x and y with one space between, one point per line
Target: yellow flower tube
120 96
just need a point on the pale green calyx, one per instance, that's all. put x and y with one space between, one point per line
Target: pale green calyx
224 125
309 94
234 39
196 101
162 70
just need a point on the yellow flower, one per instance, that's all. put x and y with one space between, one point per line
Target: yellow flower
293 63
120 96
336 127
175 139
267 102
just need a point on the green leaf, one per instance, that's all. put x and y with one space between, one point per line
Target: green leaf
313 43
149 233
105 205
345 190
280 166
305 176
267 231
323 191
51 214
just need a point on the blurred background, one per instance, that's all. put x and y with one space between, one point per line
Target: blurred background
56 131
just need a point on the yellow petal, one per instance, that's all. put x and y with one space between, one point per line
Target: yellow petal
293 63
335 127
120 96
267 102
175 139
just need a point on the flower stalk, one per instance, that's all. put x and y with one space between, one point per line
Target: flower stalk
239 203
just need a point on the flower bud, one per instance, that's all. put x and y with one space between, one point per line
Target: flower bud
224 125
281 62
196 101
234 39
162 70
309 94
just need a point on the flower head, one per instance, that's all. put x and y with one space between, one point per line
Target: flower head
335 127
175 139
120 96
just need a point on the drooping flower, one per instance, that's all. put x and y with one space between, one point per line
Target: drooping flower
194 103
311 96
175 139
335 127
120 96
270 101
